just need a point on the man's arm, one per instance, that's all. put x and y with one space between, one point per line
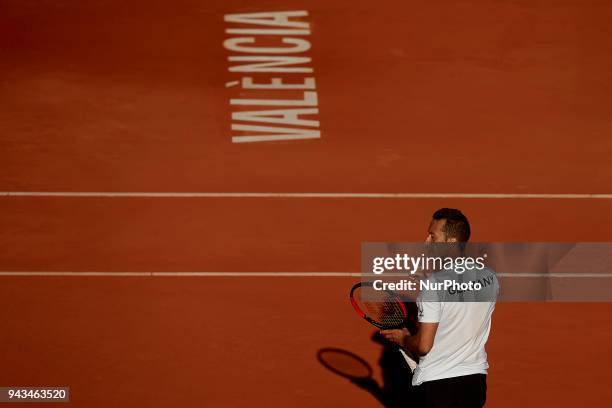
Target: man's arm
423 340
419 344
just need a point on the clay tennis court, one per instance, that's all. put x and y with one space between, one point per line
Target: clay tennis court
149 258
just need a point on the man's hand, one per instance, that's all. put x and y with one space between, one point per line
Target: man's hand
397 336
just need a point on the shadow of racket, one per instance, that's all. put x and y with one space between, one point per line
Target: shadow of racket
345 364
394 393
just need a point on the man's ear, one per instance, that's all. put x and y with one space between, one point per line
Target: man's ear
453 240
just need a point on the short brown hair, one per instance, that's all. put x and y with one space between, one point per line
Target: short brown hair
457 225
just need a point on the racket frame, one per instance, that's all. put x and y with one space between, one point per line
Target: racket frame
368 318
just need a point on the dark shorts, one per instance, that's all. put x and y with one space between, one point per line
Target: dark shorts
468 391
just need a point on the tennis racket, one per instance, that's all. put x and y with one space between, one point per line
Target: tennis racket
382 309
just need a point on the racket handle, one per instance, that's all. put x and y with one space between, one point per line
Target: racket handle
411 363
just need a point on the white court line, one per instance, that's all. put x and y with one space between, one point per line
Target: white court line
54 273
274 274
119 194
194 274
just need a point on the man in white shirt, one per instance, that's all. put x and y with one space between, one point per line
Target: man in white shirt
453 328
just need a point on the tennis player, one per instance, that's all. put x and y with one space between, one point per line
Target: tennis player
452 334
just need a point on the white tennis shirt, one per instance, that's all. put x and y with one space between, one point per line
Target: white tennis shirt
463 327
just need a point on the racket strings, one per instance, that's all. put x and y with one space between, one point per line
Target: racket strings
381 307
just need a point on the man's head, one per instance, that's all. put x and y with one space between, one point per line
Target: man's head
448 225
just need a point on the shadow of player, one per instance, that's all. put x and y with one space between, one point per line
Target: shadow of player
396 389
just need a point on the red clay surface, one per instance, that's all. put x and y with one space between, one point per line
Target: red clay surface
234 342
104 95
125 234
454 97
